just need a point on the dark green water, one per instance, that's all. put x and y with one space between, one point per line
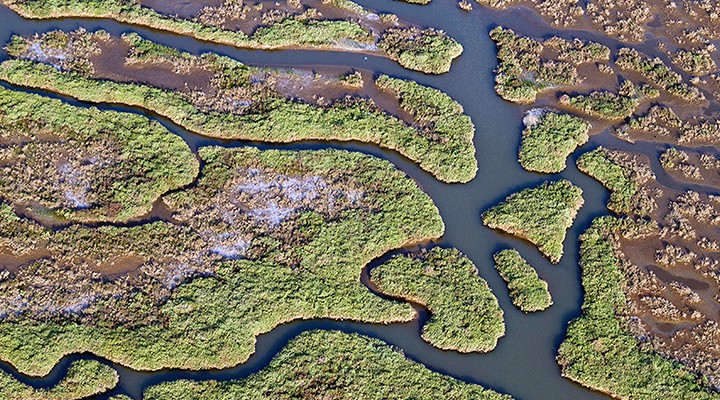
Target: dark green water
523 364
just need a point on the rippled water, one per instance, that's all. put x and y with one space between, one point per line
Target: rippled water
523 364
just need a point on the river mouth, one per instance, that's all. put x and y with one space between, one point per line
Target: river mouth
523 364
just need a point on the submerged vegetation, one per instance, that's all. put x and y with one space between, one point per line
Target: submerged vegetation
266 237
83 164
528 292
542 215
466 316
331 364
549 138
599 351
84 378
234 101
426 50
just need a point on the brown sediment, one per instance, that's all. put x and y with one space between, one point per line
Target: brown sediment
112 63
692 166
673 280
12 262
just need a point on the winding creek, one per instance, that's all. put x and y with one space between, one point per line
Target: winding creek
523 364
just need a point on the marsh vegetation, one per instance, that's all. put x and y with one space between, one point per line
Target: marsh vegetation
466 316
332 364
528 292
84 379
219 97
340 25
261 238
549 138
541 215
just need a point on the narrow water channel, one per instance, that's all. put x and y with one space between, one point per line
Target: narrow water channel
523 364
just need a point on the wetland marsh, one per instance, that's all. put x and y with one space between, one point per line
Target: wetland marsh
302 214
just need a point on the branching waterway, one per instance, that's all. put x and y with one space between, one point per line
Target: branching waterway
523 364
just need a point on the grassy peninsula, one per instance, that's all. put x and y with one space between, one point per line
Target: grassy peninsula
465 315
605 104
541 215
85 378
234 101
322 364
623 175
266 237
528 292
427 50
549 138
83 164
599 351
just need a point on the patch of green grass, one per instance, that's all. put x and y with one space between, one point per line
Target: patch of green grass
599 352
425 50
466 316
658 73
547 142
85 164
604 104
305 266
322 364
618 177
85 378
541 215
442 145
528 292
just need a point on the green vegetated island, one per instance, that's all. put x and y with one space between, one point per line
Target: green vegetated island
549 138
328 364
528 292
260 238
84 379
465 315
339 25
219 97
541 215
